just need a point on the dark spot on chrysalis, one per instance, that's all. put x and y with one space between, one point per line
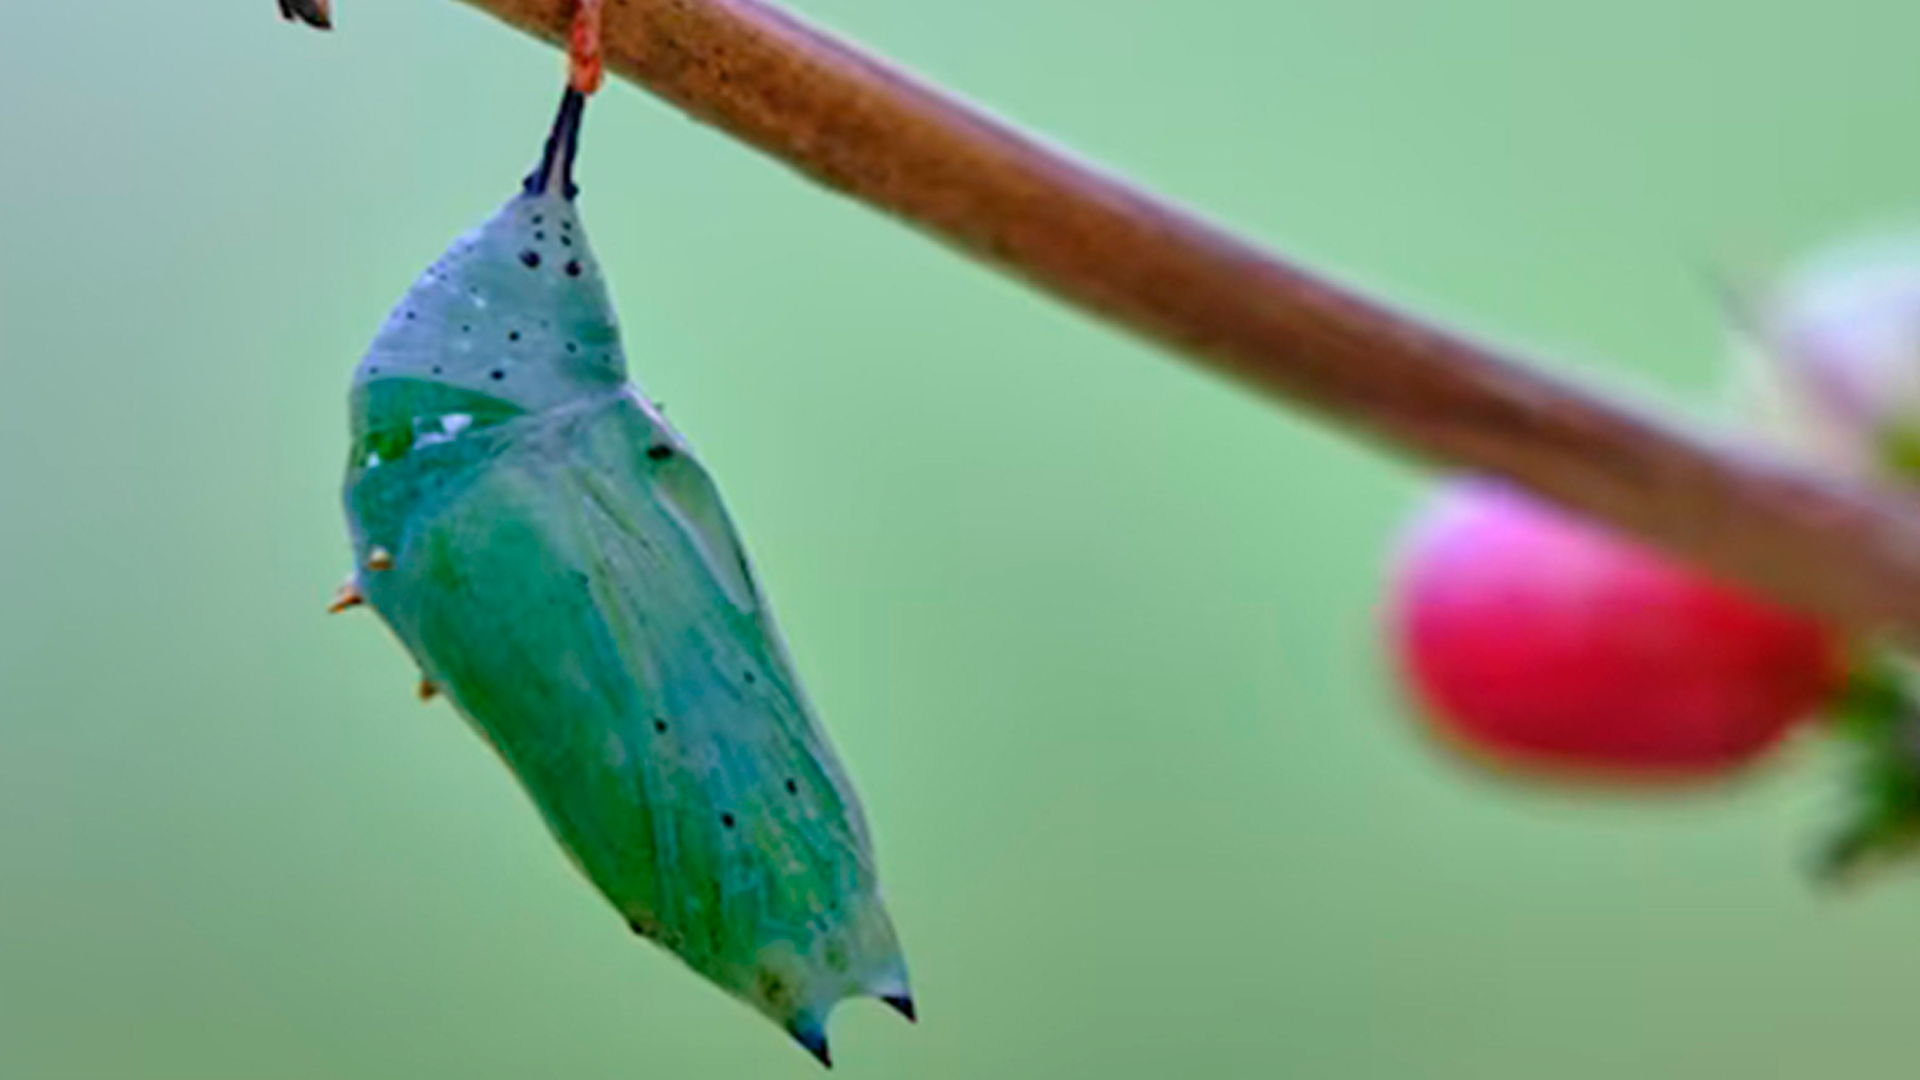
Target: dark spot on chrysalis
748 675
466 329
539 235
773 988
409 316
660 726
513 335
498 374
573 267
538 218
726 820
530 258
792 788
567 240
660 453
374 370
571 347
436 369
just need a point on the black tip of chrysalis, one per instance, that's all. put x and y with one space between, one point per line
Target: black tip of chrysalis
902 1004
815 1042
563 142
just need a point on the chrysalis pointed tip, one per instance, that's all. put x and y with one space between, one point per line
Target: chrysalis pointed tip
555 171
902 1004
815 1041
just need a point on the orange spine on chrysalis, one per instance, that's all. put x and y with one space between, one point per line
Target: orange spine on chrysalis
347 596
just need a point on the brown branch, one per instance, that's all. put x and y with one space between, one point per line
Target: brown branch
862 128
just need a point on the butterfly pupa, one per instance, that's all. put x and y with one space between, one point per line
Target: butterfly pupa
558 563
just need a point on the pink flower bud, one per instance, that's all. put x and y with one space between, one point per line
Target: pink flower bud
1843 335
1536 639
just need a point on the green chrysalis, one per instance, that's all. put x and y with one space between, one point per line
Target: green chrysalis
560 566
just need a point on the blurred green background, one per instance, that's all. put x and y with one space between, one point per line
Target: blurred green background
1095 633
